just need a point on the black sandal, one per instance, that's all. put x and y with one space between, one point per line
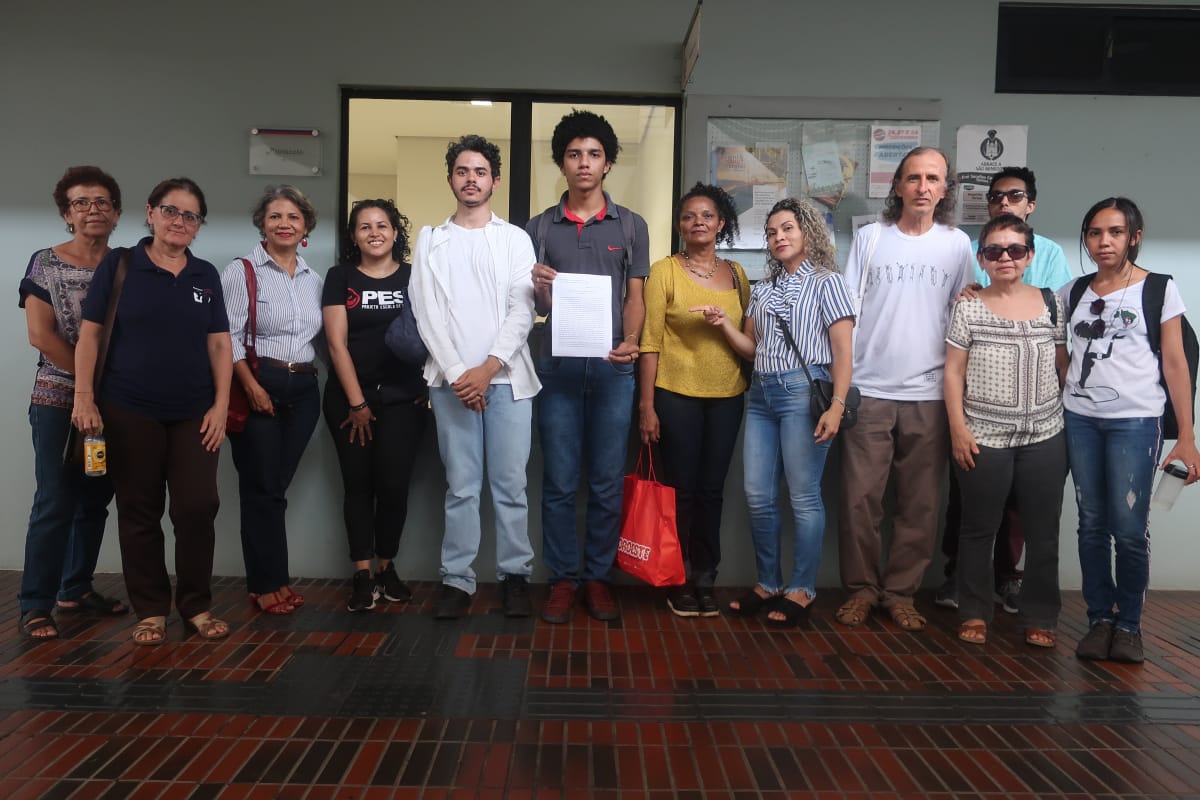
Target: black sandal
792 612
36 619
94 603
750 603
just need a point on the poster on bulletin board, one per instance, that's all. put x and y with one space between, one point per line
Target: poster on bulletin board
831 162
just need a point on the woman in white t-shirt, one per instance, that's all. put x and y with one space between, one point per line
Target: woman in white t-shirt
1113 408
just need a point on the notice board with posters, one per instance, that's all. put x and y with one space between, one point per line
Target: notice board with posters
840 154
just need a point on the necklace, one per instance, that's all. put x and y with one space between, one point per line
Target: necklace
687 262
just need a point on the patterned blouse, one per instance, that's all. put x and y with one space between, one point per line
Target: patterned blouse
62 286
1013 397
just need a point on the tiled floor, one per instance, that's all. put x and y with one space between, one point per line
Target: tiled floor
391 704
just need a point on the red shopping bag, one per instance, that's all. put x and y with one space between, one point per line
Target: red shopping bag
649 545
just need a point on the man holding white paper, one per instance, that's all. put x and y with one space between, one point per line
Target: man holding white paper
586 403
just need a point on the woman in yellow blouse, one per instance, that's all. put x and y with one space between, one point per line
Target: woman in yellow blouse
691 384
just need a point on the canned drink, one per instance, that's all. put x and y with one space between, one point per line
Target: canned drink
95 456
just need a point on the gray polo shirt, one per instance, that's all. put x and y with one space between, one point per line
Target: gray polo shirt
594 247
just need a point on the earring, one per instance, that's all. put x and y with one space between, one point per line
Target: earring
70 227
304 241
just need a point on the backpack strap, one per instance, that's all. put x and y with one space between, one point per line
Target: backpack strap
625 217
543 229
1077 289
1154 293
1051 306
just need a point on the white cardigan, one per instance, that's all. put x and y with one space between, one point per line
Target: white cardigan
432 294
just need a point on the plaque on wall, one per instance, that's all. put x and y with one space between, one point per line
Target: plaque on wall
285 151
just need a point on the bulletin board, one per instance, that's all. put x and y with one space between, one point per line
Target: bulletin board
838 154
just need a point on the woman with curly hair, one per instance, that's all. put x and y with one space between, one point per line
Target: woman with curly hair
375 409
691 384
805 299
66 524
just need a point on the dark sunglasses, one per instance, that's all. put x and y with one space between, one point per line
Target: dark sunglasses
1013 195
1015 251
1095 328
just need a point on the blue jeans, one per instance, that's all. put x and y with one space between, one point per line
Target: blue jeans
496 439
1113 462
779 441
66 524
266 454
584 411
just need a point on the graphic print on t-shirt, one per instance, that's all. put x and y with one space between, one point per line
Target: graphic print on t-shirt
932 275
374 299
1116 325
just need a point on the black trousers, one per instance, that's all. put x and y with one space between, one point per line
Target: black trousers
698 435
1036 474
266 454
147 458
375 476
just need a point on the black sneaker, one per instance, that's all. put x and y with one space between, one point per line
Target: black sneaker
1096 643
682 601
1007 593
362 591
453 603
947 594
708 602
389 586
514 596
1127 647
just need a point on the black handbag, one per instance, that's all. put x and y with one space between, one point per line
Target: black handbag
821 396
403 338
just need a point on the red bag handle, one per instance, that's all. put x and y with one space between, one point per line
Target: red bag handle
649 454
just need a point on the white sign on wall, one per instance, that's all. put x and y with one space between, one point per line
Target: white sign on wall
285 151
984 150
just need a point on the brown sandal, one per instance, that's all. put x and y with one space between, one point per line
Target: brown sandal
150 632
854 612
206 626
1039 637
973 631
907 617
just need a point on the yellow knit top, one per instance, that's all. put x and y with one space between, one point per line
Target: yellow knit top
694 357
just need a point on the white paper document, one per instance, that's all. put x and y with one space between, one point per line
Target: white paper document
581 323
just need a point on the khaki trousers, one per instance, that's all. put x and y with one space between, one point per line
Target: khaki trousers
908 441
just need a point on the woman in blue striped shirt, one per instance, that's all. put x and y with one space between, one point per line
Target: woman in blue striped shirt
285 403
804 292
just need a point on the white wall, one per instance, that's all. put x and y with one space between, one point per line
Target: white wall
148 91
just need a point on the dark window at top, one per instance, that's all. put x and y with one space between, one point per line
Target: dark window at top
1095 49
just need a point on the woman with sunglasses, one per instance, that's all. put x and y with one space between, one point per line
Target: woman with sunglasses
1114 405
162 401
1005 352
66 524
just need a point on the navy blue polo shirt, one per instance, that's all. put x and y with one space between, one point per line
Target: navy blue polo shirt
158 363
595 247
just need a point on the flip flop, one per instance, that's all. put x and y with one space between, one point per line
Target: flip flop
792 612
36 619
973 631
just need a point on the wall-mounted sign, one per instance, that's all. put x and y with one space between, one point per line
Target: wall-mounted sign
285 151
984 150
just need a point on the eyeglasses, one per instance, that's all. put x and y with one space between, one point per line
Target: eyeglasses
189 219
1013 195
1095 328
85 204
1015 251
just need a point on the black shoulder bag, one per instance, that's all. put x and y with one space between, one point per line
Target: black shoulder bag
821 396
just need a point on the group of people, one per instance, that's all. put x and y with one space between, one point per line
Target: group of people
144 344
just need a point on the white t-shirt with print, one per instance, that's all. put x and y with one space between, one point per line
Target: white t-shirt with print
1116 375
900 349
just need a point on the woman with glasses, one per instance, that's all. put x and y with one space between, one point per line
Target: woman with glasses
691 385
66 524
801 310
162 401
284 400
376 406
1005 353
1114 405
